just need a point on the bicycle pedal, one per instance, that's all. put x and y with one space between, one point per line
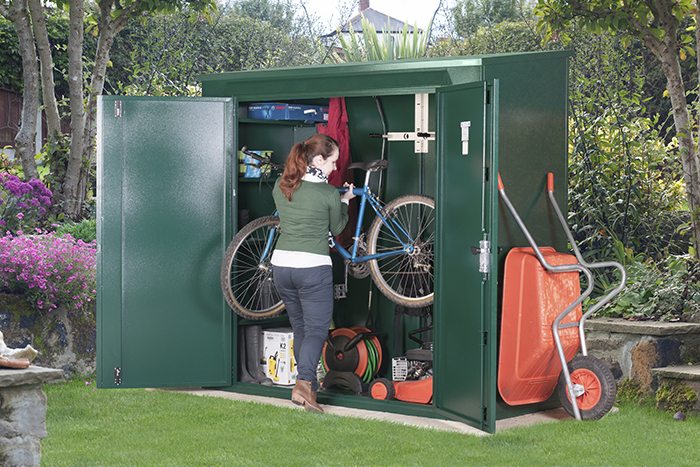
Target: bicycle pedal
340 291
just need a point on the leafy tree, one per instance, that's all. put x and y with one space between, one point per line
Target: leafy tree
10 60
278 14
470 15
624 191
659 24
107 18
145 62
505 37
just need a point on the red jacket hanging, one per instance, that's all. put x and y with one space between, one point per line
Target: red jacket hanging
337 128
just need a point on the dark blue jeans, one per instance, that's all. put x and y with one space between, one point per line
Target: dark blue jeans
307 294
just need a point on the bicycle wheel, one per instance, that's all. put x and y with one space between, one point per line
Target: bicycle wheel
406 279
246 277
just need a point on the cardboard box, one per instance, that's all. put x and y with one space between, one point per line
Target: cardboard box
249 171
280 365
284 111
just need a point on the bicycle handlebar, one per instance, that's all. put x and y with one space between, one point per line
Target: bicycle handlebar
262 161
356 191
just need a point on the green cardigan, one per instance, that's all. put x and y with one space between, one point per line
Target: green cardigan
305 221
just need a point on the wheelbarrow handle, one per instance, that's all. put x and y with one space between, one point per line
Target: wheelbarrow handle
550 181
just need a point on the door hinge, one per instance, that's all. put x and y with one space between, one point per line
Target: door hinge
484 338
486 174
117 109
484 414
488 97
117 375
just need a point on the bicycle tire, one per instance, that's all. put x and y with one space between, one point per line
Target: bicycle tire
246 282
406 279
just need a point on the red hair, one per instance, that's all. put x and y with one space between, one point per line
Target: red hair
300 157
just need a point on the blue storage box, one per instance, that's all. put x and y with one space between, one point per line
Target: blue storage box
284 111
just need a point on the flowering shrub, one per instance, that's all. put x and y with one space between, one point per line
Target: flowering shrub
48 270
21 203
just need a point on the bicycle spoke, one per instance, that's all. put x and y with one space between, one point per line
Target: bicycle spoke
406 278
247 277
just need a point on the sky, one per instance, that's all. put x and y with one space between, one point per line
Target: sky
410 11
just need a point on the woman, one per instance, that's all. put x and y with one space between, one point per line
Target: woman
308 209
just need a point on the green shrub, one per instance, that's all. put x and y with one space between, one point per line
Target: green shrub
630 391
674 396
85 230
663 290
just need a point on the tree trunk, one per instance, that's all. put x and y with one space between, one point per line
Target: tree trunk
43 46
69 191
109 28
24 141
667 53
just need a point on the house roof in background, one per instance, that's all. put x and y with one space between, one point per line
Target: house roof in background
375 18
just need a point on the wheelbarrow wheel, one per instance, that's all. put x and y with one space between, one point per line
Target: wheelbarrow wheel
382 389
598 385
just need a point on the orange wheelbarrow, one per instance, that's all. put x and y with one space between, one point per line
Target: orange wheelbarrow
542 326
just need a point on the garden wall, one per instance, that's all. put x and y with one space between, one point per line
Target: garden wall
65 340
633 348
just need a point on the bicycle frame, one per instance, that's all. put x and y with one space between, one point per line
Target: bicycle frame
366 197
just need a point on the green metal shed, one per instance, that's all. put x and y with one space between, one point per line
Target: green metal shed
169 197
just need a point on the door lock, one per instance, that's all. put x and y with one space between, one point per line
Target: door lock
484 252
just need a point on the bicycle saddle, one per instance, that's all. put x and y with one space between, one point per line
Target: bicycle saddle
371 166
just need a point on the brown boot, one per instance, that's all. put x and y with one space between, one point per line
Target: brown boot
302 395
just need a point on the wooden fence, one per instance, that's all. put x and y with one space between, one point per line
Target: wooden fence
11 118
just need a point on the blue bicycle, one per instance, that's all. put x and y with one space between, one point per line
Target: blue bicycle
397 251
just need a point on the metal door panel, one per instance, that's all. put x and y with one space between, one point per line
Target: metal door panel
465 323
171 172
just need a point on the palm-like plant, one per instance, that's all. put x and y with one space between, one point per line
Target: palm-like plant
370 47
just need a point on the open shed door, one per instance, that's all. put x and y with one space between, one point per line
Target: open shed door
465 297
164 219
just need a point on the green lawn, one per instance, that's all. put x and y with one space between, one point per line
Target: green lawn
135 427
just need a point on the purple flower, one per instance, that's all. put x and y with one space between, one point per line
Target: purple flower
13 187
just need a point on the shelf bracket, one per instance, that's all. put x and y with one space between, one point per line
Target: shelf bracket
421 135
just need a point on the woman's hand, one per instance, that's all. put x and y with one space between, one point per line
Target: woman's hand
348 194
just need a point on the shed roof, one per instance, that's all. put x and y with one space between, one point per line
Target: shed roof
361 78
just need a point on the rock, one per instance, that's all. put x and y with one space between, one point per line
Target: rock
614 367
679 416
23 415
648 355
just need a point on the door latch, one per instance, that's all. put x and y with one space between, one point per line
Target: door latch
484 252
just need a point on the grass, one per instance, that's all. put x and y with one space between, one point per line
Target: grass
135 427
